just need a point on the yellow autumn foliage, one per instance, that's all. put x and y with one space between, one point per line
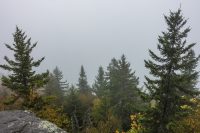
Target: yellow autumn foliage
54 115
136 126
190 123
44 108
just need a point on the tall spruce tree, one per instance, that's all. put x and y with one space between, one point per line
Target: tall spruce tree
173 74
124 91
23 78
99 85
82 81
86 98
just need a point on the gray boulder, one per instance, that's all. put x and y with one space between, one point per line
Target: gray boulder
25 122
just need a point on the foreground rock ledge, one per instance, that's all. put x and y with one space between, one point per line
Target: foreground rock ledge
25 122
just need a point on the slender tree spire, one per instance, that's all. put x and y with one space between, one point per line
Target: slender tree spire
82 81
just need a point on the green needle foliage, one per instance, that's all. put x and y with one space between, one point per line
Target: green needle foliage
123 90
174 74
56 86
62 85
99 85
23 79
82 82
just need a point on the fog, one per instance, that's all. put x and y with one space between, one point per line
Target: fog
71 33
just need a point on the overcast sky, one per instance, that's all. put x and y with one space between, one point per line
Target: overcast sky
71 33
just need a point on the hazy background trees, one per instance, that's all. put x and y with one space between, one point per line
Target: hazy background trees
114 101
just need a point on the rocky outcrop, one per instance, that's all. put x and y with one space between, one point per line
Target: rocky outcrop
25 122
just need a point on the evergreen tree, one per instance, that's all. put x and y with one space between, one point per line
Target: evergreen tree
82 81
62 85
174 74
23 78
73 108
124 93
190 70
82 120
55 86
101 109
51 88
99 85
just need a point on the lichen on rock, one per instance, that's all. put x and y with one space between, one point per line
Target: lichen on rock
25 122
50 127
